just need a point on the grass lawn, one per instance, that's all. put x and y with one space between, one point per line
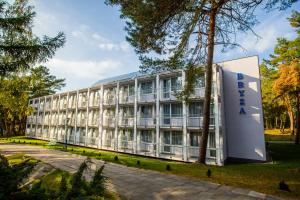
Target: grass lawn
261 177
20 158
277 135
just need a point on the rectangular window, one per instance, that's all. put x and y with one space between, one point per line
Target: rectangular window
131 90
176 110
146 87
175 84
146 136
167 138
200 82
195 109
195 139
146 111
177 138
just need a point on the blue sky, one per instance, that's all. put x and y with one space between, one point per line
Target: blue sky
96 47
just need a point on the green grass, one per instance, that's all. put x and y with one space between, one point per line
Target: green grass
261 177
20 158
277 135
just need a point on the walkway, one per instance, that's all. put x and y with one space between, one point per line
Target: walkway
138 184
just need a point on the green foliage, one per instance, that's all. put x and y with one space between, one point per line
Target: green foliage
116 158
63 189
19 47
97 186
168 167
208 173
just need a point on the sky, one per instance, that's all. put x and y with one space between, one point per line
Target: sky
96 47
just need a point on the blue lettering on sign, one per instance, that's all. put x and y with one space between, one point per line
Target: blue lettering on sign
241 91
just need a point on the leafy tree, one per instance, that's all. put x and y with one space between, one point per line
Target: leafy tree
184 34
19 48
286 60
15 91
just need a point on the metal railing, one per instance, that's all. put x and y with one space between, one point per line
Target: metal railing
198 92
150 97
109 100
127 99
146 122
125 145
146 148
109 121
128 121
172 121
176 150
198 121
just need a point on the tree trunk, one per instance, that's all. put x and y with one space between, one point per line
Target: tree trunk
292 122
208 85
297 137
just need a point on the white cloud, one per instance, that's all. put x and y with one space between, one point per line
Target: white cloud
94 38
82 74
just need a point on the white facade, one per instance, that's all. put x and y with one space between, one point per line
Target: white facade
140 114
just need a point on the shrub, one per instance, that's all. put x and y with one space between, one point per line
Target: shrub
24 142
83 151
168 167
283 186
97 186
208 173
99 154
138 163
116 158
72 149
63 189
19 141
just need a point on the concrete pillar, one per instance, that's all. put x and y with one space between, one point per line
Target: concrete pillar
100 122
87 118
76 113
116 118
184 118
158 92
135 141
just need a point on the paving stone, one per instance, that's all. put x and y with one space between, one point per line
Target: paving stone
138 184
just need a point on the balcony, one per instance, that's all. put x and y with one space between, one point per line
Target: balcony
81 122
109 121
127 99
92 141
171 121
198 93
127 122
110 101
168 94
126 145
193 152
108 143
146 148
198 121
147 98
174 150
146 122
82 104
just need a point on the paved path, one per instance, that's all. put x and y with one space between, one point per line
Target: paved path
138 184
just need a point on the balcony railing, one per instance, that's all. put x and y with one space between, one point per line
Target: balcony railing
198 93
146 148
127 99
150 97
198 121
146 122
109 121
92 141
110 100
128 121
193 152
108 143
168 94
126 145
176 150
172 121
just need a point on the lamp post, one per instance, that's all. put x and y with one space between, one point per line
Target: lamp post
65 135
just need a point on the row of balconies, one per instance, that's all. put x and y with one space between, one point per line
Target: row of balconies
110 121
111 99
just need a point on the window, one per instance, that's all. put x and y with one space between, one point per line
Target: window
175 84
128 112
172 138
146 111
146 87
127 135
176 110
194 139
146 136
211 140
195 110
200 82
131 90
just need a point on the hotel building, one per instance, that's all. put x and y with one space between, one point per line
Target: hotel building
141 114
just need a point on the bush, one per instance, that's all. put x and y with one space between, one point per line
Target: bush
283 186
116 158
208 173
83 151
99 154
72 149
138 163
168 167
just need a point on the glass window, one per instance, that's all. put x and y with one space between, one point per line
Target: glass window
176 110
195 110
166 110
131 90
177 138
146 87
175 83
146 136
146 111
167 138
194 139
200 82
212 140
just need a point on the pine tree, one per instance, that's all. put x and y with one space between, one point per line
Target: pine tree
183 34
19 47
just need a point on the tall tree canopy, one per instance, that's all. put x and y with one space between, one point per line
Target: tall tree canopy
183 35
19 47
286 63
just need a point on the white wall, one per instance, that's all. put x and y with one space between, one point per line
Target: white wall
244 131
